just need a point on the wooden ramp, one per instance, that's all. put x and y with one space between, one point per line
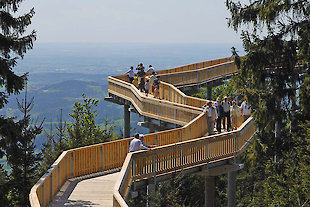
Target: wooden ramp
94 190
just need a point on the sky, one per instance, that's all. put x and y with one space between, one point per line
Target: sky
131 21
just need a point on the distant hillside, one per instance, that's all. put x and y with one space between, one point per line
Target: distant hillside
50 99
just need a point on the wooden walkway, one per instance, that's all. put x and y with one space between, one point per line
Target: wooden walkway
178 148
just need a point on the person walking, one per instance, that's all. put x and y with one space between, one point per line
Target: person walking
245 110
235 114
220 114
212 115
226 107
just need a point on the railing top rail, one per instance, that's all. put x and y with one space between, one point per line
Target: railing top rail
187 65
200 69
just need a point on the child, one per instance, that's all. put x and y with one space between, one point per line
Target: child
147 87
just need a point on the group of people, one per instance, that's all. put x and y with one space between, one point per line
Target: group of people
223 111
145 84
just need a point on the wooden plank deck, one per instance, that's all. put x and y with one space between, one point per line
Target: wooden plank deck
90 191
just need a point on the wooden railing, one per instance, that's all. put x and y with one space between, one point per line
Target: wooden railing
175 107
159 109
185 68
194 66
178 156
105 156
196 77
170 93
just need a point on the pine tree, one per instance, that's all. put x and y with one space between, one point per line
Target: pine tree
21 155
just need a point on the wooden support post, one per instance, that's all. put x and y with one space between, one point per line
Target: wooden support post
209 191
231 189
72 164
126 121
150 189
101 158
209 92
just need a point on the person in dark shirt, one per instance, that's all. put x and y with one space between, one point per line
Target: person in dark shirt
141 83
220 114
156 87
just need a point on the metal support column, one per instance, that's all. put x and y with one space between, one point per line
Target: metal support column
150 189
151 129
209 191
209 92
231 189
126 121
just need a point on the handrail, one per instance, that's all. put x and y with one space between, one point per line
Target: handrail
111 155
181 155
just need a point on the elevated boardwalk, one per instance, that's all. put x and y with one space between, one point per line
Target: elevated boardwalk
184 148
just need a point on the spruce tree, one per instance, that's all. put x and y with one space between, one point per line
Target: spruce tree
60 144
275 37
21 155
13 45
48 151
4 189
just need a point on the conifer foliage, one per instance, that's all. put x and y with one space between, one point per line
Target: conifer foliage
21 155
15 137
276 39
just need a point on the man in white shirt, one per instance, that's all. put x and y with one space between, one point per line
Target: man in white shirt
245 110
137 144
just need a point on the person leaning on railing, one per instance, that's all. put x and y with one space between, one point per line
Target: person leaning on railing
137 143
131 74
151 70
